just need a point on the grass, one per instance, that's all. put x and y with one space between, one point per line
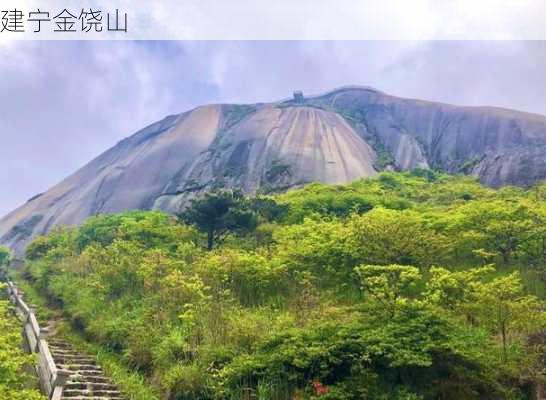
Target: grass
34 299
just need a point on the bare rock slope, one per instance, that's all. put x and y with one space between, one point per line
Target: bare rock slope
333 138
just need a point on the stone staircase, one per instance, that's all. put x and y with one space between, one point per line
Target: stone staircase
82 377
87 380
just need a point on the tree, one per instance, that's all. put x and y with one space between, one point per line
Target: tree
5 259
453 289
319 199
499 305
268 209
384 236
39 247
220 213
503 306
390 285
5 256
508 228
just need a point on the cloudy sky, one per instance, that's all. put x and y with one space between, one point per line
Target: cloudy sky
63 103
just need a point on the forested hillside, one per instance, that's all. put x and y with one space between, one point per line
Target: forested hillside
412 285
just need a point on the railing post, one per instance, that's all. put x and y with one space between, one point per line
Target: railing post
32 330
57 393
58 385
62 377
25 342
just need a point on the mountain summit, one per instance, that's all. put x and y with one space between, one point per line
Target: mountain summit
336 137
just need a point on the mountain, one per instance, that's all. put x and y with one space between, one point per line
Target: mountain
336 137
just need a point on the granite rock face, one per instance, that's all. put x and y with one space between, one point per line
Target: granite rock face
274 148
499 146
337 137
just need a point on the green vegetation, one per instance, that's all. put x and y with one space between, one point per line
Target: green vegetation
236 113
16 383
409 286
384 159
277 170
467 166
5 257
219 214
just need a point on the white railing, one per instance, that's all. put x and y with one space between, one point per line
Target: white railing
52 378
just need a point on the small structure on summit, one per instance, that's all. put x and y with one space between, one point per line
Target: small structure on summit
298 96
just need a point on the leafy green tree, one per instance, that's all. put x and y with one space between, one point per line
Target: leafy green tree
268 209
318 247
454 289
324 200
384 236
505 227
220 213
57 244
503 306
38 248
149 229
390 285
427 174
5 256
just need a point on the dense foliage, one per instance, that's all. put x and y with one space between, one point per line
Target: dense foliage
220 213
16 383
5 256
408 286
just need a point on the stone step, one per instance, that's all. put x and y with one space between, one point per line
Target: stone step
59 345
70 356
90 386
92 397
86 374
81 367
65 355
68 393
58 350
89 379
74 360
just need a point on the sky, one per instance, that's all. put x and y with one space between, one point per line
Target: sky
62 103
